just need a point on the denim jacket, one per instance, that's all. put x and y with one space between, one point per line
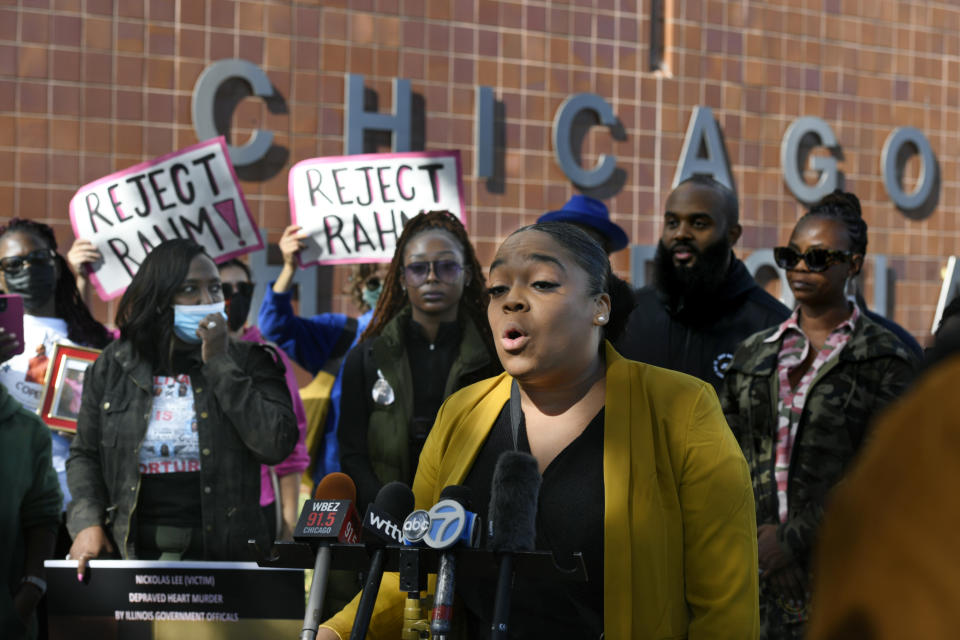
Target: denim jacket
244 417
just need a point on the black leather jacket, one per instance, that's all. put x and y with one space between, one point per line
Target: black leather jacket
244 417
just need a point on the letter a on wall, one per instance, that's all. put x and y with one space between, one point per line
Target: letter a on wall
703 133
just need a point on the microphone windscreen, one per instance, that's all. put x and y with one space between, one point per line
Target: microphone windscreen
513 502
460 494
396 499
336 486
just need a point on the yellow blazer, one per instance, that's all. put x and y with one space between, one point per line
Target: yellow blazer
680 537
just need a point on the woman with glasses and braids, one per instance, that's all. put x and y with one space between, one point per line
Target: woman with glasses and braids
800 396
428 338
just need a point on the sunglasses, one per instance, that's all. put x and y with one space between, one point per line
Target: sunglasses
817 260
15 264
243 288
416 273
372 283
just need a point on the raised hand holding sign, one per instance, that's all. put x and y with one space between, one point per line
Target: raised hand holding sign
191 193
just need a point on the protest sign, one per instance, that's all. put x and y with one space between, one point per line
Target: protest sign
191 193
353 208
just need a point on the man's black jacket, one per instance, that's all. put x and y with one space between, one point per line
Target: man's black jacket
700 342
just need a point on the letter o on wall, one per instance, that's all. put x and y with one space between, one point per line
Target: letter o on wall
900 145
204 96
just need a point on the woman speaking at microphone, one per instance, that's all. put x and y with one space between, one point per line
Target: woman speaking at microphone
175 421
640 472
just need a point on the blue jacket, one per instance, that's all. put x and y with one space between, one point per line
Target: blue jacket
310 342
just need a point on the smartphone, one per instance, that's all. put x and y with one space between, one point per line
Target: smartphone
11 317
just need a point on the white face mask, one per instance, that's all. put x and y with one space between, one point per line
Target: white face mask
187 317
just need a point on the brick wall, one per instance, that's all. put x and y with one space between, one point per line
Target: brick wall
91 86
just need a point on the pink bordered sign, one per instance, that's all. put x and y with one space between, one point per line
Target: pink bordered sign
353 208
191 193
63 387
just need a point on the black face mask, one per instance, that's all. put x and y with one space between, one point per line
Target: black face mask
36 284
238 308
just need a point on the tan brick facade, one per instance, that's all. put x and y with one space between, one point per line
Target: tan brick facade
92 86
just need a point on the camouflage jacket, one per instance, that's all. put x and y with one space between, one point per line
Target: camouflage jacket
872 369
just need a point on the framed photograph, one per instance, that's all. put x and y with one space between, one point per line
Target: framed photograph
63 387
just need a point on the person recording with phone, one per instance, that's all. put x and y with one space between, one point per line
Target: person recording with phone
175 420
639 470
279 503
800 396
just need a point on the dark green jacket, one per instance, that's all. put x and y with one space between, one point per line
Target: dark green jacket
245 418
386 457
872 369
30 498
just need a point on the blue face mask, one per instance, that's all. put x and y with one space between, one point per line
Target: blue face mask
370 297
187 317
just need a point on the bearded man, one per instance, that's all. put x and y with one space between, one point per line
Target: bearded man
703 302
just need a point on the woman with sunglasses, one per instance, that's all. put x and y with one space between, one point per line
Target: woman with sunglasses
54 312
279 484
800 396
428 338
53 309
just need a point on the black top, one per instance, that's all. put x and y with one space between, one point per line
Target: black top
173 499
569 519
430 366
701 344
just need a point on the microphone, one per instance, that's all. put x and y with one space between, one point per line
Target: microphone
413 575
382 526
513 514
329 517
450 524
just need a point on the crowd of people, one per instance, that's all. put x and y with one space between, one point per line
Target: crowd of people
696 428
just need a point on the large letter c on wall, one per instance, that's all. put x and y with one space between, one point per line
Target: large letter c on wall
204 97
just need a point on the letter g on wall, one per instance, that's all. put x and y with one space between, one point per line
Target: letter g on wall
204 103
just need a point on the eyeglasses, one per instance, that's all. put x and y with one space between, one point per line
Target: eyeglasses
817 260
230 290
15 264
447 271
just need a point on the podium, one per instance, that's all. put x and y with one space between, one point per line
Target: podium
535 565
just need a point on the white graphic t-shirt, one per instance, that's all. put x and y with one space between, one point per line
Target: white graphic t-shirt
171 444
23 374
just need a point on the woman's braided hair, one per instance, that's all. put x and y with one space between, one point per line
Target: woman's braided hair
473 302
844 207
82 327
